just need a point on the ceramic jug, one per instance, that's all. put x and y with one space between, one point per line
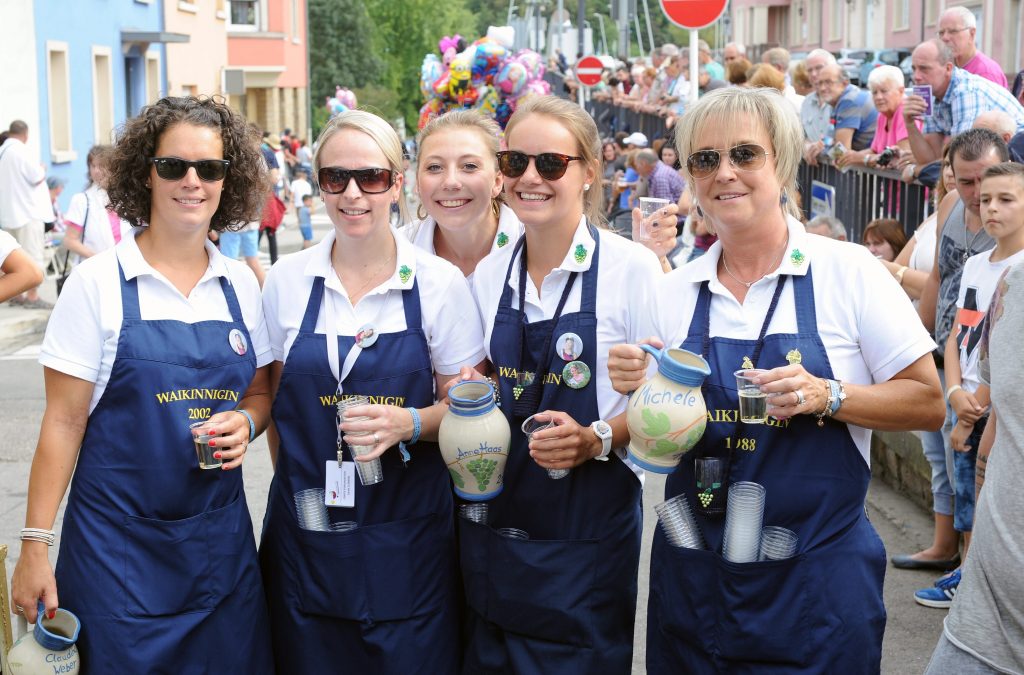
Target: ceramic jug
50 647
474 437
666 416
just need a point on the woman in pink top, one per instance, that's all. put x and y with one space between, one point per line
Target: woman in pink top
887 85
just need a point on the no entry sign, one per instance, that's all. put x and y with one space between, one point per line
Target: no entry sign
588 70
693 14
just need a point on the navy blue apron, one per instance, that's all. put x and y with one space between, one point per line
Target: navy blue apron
564 601
820 611
379 598
157 556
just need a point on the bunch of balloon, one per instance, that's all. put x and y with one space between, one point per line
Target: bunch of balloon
343 99
485 75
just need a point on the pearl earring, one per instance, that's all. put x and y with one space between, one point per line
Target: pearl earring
586 186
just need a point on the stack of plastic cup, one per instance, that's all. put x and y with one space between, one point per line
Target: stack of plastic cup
778 543
311 509
531 426
743 519
513 533
476 511
344 526
370 473
680 526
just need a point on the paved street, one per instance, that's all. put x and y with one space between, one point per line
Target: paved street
910 636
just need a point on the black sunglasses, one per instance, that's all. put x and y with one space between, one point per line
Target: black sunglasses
334 180
175 168
550 165
746 157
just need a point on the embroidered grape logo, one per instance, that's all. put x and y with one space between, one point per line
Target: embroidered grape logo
482 469
705 497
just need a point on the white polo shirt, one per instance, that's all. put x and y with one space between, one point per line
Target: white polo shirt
7 245
81 337
626 277
866 322
25 196
421 233
91 206
450 320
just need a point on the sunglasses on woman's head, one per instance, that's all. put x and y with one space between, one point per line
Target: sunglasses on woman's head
334 180
550 165
745 157
175 168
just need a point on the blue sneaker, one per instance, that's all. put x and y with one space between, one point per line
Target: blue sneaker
941 594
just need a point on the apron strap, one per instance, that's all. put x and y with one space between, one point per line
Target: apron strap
129 296
316 296
703 311
229 295
803 297
588 297
411 305
506 291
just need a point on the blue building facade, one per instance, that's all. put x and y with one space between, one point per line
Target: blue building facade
99 62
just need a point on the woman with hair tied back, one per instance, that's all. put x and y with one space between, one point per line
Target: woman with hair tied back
837 362
563 601
90 207
364 313
157 557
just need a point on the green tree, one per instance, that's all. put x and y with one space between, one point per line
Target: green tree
340 48
404 32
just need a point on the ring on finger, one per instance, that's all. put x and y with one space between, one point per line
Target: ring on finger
800 400
19 609
376 438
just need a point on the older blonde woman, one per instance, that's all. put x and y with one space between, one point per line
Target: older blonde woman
887 85
837 364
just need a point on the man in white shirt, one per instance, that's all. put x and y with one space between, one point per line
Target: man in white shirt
815 114
24 203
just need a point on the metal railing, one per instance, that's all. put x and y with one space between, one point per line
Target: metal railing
862 194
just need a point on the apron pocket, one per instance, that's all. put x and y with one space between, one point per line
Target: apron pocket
232 547
688 596
543 588
167 566
764 611
473 541
330 579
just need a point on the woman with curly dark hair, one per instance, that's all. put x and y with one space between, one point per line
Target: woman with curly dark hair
157 557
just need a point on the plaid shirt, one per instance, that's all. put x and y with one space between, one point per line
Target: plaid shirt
665 182
967 97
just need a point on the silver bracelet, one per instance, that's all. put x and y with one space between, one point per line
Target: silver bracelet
36 534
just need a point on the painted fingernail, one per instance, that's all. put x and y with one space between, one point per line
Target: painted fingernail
213 443
52 613
216 455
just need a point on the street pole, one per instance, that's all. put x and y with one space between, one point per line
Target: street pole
604 38
639 35
694 75
623 23
581 28
650 33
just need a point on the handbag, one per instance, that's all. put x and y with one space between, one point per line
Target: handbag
273 213
65 271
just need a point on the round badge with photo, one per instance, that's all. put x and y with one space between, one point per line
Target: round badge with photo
366 336
239 344
576 374
569 346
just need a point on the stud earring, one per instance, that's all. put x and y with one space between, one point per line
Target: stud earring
586 186
784 198
699 211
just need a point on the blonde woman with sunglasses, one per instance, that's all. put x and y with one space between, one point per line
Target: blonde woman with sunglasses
842 353
162 331
364 313
564 600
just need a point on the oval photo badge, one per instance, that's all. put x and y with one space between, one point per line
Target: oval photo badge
236 339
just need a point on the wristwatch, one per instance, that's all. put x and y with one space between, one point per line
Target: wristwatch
603 430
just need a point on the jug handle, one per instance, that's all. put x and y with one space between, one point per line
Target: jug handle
656 353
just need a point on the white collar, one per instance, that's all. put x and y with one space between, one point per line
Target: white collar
134 264
795 261
581 250
509 231
319 265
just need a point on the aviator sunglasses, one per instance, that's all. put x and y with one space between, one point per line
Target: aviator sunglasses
550 165
745 157
334 180
175 168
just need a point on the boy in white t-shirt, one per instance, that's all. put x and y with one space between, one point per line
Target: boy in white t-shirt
299 188
1002 214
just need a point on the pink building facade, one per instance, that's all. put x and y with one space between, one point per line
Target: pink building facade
802 25
267 57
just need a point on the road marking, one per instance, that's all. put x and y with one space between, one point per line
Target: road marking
29 353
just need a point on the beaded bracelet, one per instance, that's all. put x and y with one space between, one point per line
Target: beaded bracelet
252 425
36 534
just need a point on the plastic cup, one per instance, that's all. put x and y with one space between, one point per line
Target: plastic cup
743 521
202 432
753 401
513 533
372 472
678 522
649 206
711 485
778 543
344 526
530 426
310 510
477 512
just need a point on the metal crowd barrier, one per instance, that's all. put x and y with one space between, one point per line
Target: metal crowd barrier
862 194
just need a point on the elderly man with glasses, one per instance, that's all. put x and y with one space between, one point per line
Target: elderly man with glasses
958 28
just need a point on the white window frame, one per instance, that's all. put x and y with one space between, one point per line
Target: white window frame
835 20
59 117
188 6
931 12
153 92
102 125
257 24
900 15
814 22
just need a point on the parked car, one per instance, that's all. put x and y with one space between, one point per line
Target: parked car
908 70
884 57
851 59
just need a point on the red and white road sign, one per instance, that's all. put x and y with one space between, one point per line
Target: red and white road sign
693 14
588 70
